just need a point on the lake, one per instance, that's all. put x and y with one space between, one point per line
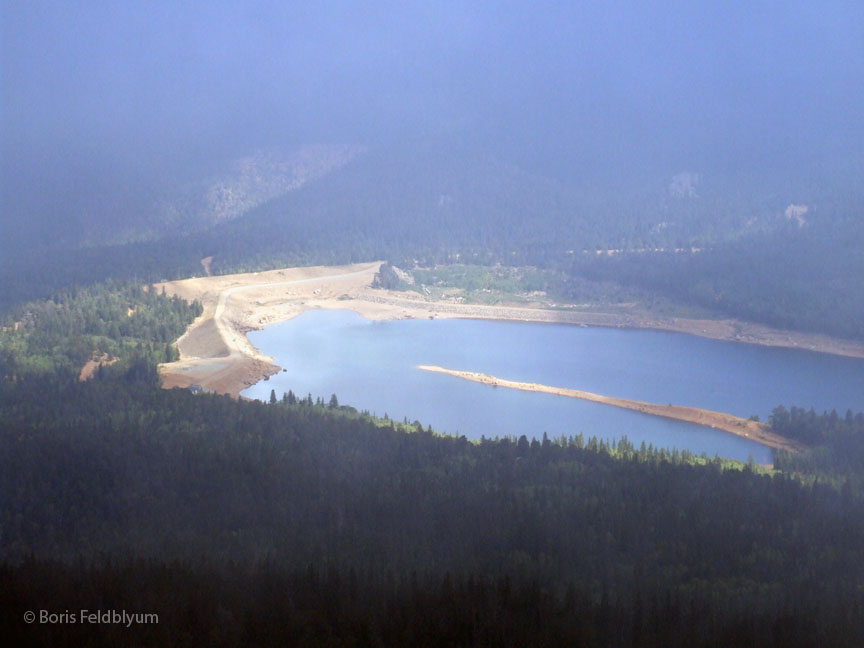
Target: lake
372 366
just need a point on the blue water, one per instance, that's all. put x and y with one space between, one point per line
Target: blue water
371 365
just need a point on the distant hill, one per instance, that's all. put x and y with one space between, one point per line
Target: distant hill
775 248
246 183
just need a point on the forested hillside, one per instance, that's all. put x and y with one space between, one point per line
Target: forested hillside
114 322
800 279
835 443
441 206
193 505
117 467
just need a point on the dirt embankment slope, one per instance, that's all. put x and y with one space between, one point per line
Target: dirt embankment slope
753 430
215 353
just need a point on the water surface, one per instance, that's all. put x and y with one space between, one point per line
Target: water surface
372 365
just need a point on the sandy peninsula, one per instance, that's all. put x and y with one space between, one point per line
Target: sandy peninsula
216 354
753 430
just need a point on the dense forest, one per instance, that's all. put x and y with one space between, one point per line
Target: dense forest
835 451
307 522
793 279
115 321
648 543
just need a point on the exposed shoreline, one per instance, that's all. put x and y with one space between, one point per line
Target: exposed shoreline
216 354
751 430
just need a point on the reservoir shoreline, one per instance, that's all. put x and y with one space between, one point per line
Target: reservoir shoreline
216 355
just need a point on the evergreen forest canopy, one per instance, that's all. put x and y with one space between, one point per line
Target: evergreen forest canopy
305 521
702 154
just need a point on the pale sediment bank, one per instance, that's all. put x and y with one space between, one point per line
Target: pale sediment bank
752 430
216 354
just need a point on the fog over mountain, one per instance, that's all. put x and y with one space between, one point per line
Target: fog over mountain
111 112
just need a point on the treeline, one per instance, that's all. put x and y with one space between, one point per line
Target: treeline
293 499
28 276
112 321
817 429
508 284
836 446
800 279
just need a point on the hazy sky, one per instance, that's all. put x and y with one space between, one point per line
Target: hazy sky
124 91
